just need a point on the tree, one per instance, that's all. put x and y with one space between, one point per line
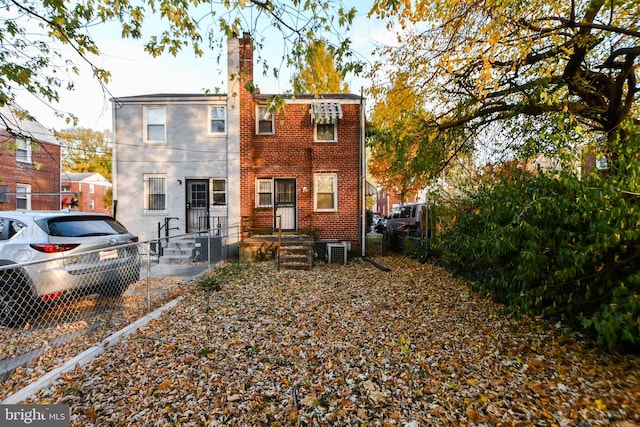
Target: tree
317 72
86 150
32 32
395 140
564 71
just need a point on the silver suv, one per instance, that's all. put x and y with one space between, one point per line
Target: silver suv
84 253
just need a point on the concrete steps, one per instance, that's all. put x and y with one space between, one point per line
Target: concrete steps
178 251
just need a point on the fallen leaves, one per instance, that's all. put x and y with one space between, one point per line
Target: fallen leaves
349 345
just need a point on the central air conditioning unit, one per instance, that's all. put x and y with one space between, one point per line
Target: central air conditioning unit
337 253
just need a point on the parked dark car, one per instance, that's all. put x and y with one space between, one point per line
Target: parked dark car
84 253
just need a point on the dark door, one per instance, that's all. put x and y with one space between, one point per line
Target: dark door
285 204
197 205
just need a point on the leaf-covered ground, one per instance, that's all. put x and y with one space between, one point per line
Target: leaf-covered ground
348 346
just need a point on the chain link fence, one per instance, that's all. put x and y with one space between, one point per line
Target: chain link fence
82 299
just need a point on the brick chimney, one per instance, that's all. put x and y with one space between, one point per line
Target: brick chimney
242 109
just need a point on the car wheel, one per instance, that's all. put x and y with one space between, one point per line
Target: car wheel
17 303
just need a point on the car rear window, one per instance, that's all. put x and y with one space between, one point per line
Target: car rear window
84 226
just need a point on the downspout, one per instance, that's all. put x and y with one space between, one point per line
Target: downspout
363 180
114 162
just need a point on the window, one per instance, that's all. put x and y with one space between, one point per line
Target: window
219 192
325 192
265 120
264 193
326 116
92 188
155 197
217 119
156 124
9 228
23 197
23 150
92 205
326 132
65 187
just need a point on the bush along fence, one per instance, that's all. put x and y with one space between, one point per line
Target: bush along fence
117 289
556 246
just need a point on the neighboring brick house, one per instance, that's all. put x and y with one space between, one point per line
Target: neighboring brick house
387 201
29 169
85 192
210 160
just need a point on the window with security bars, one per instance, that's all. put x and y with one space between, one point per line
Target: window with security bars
155 196
219 192
264 193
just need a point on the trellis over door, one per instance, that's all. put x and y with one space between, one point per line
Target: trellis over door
285 204
197 205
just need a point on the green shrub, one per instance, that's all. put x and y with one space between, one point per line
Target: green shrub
557 246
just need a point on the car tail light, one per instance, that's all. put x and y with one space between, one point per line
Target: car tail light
134 239
51 248
49 297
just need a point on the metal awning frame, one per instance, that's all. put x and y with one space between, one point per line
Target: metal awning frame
326 112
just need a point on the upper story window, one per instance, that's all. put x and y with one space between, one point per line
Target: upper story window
217 119
92 188
23 150
325 116
264 121
325 192
156 124
326 132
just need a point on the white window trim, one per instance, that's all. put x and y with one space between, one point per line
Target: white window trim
23 188
92 205
335 192
145 193
23 146
259 119
213 192
335 133
258 181
209 119
146 124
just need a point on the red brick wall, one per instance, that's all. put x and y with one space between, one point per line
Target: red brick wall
292 153
85 196
43 174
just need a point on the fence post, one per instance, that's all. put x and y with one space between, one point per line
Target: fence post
149 276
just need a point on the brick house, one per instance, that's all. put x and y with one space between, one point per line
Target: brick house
29 169
206 161
303 163
85 192
388 200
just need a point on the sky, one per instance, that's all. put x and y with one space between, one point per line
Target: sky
135 72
